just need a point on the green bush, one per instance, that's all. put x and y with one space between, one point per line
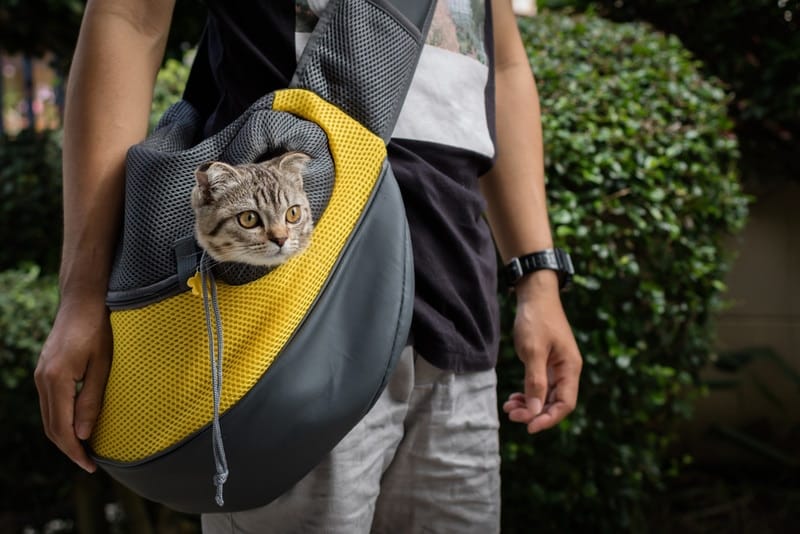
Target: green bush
35 475
643 191
170 82
30 182
39 27
754 47
30 199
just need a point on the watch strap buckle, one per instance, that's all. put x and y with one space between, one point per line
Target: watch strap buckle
514 271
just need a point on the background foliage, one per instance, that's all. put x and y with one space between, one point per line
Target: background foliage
170 82
30 182
41 485
643 190
36 27
35 478
30 199
754 47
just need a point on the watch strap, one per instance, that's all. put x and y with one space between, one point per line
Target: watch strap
554 259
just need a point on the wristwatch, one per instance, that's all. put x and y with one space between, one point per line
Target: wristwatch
554 259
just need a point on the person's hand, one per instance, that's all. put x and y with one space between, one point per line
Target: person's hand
545 344
71 375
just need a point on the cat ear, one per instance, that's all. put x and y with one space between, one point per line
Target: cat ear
211 173
210 176
292 162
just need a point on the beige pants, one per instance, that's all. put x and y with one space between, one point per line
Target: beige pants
424 459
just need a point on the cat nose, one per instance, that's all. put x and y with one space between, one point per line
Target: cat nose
278 240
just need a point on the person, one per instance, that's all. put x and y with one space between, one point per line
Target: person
467 144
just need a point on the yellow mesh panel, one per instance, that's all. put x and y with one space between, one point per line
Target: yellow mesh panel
159 391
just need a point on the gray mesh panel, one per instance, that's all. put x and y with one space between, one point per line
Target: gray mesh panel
362 60
160 177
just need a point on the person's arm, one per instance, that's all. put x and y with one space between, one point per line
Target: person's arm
517 213
109 94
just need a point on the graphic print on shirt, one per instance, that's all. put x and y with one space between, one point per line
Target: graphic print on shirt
446 101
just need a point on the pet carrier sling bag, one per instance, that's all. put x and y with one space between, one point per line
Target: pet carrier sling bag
236 378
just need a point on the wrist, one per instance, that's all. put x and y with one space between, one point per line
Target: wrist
537 284
91 286
84 274
82 303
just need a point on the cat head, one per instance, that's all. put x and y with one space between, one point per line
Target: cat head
255 213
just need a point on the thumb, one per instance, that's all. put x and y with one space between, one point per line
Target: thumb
90 397
536 381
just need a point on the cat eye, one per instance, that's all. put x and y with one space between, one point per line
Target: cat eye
293 214
248 219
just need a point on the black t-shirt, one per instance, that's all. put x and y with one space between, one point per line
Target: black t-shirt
443 142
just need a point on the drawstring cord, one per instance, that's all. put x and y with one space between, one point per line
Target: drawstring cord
220 460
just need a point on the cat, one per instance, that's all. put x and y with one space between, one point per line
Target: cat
255 213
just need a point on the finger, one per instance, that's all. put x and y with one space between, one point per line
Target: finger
552 396
515 401
517 396
549 418
562 400
511 406
44 403
517 409
520 415
90 397
62 412
566 381
536 382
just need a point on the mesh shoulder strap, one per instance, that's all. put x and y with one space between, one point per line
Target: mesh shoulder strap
361 57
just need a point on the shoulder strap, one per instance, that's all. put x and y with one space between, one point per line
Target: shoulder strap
362 55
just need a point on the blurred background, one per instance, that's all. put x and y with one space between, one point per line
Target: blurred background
672 133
